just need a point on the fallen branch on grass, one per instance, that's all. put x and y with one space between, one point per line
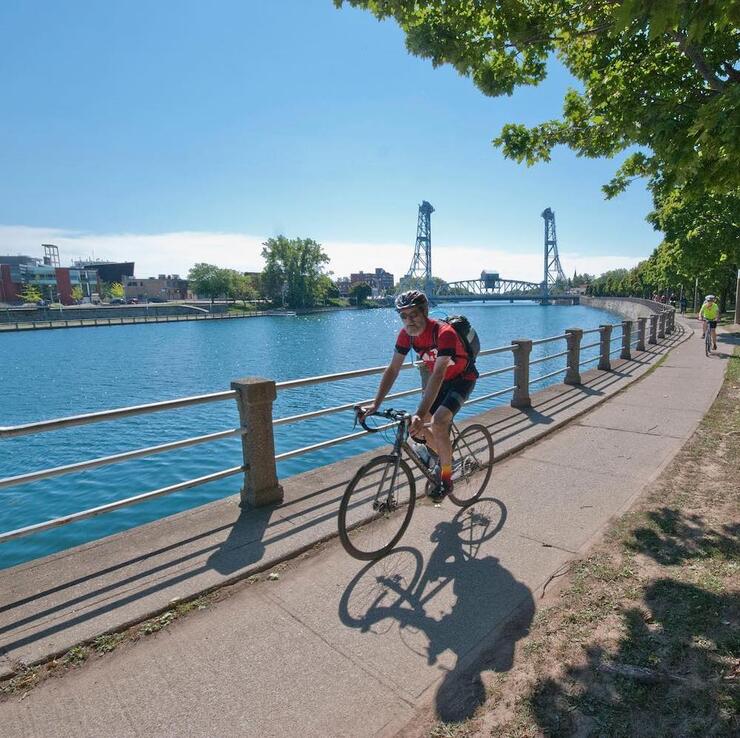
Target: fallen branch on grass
638 673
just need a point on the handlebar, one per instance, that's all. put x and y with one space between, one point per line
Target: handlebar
398 416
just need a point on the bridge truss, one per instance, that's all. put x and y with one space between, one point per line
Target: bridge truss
500 288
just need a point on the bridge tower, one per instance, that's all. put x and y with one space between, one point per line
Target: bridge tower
553 269
421 264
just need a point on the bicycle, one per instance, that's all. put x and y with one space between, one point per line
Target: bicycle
708 340
377 505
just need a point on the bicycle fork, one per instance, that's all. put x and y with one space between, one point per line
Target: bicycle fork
387 505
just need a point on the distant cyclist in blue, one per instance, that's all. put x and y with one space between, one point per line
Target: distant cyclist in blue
448 378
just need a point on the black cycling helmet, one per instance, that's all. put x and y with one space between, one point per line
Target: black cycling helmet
412 298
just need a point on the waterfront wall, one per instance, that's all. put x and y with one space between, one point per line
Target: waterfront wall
630 308
35 314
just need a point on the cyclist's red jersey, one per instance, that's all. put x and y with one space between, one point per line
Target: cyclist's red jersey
438 339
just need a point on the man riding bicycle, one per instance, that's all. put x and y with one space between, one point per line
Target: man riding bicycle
709 314
447 376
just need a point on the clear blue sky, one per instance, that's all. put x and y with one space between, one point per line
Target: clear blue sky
260 117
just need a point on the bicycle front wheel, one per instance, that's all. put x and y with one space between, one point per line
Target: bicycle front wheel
708 342
376 507
472 464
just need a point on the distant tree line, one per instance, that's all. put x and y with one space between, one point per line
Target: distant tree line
294 276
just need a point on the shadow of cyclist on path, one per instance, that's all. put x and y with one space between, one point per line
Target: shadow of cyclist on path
456 604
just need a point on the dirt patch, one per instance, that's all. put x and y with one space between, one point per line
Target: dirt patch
642 636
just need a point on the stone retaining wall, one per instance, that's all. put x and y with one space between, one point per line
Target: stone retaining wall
630 308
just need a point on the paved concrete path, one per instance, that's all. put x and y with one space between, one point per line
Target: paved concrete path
336 648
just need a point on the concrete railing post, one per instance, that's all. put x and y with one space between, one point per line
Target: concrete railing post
573 338
641 325
255 396
672 321
653 328
626 339
522 350
661 325
606 335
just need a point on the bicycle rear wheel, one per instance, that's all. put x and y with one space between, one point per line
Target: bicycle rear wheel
376 507
472 464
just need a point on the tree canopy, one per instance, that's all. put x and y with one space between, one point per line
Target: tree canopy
656 74
294 272
359 292
30 293
116 290
241 287
209 280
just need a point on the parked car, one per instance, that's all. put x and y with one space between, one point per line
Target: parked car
43 303
117 301
132 301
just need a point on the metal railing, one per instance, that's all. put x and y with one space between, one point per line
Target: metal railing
253 462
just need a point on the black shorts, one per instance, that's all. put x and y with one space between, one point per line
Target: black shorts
712 324
453 394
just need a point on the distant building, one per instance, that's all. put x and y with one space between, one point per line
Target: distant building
108 271
381 281
490 279
55 283
163 287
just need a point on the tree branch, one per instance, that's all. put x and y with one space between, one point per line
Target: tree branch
542 39
731 72
697 60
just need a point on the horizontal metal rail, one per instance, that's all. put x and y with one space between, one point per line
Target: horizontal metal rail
617 337
549 340
38 527
340 408
491 395
97 417
293 383
115 458
547 376
588 361
615 351
326 444
499 350
505 369
547 358
591 345
591 330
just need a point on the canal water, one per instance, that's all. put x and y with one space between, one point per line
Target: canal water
52 374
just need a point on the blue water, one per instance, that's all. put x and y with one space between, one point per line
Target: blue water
53 374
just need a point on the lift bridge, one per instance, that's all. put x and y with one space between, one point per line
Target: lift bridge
490 286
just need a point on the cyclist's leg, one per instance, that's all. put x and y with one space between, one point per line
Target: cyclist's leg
451 398
713 327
